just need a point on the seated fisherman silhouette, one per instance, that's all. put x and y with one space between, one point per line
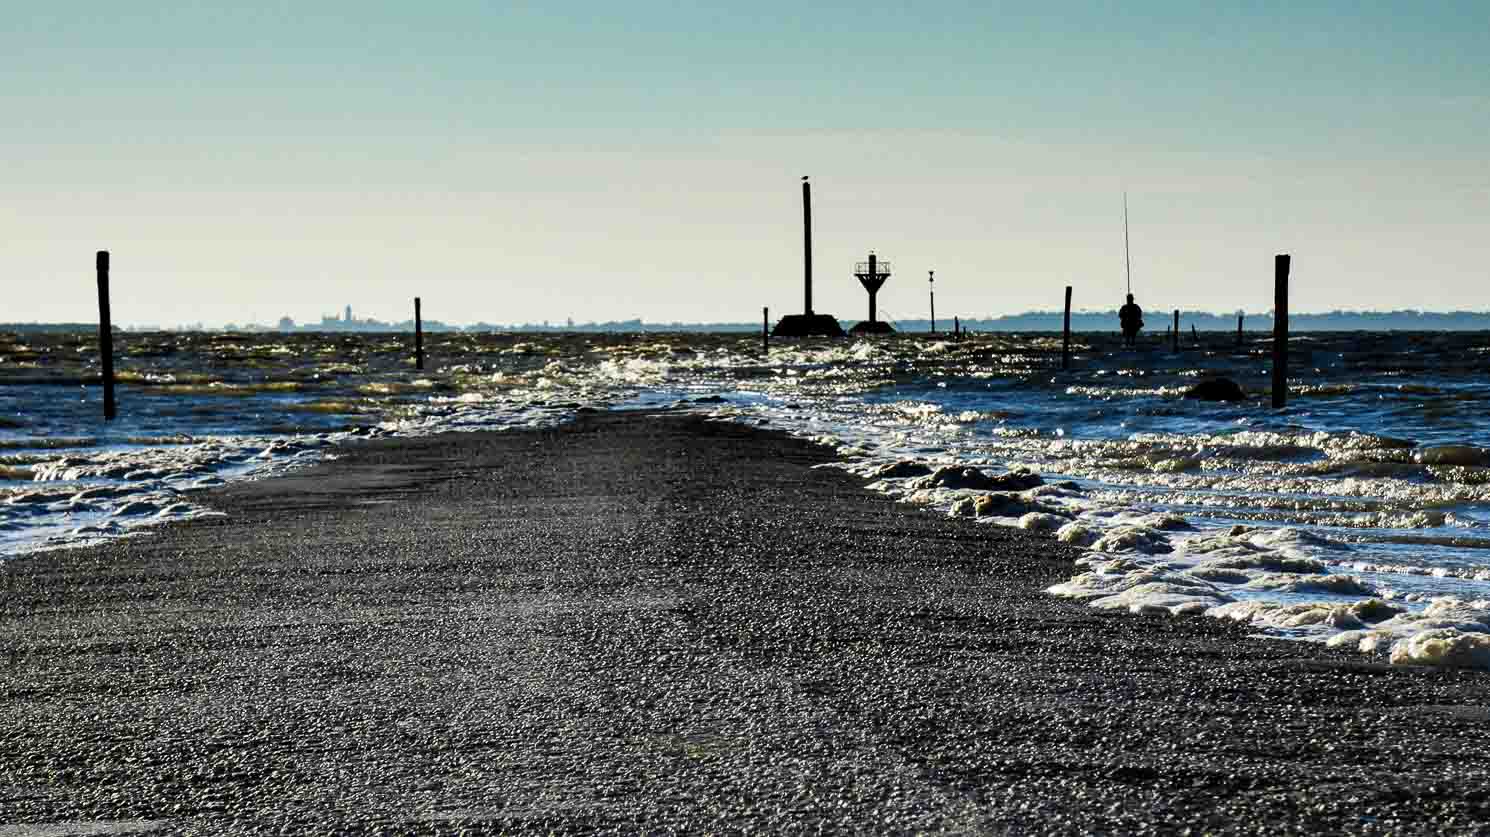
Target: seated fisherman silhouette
1131 318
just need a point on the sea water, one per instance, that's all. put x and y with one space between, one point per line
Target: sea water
1359 515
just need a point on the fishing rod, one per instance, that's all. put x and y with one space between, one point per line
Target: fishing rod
1127 264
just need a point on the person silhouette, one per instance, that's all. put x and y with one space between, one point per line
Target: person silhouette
1130 316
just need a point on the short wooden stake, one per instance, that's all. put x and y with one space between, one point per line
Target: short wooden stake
1280 330
1239 329
418 336
1066 333
1175 334
105 336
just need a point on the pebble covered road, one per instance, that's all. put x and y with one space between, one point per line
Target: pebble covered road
652 623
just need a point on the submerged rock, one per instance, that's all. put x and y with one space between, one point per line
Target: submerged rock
1374 610
1021 479
1453 455
900 470
1217 389
957 476
1005 504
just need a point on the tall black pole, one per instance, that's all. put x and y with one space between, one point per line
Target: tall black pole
1280 330
931 282
1175 343
418 336
807 247
873 274
1239 329
1066 333
105 335
766 330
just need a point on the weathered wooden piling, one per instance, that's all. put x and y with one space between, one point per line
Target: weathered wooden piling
1280 330
956 328
1239 329
1066 333
418 336
766 330
1174 334
105 336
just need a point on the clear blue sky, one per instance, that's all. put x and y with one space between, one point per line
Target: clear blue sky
514 162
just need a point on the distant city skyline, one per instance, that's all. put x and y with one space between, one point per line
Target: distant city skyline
512 163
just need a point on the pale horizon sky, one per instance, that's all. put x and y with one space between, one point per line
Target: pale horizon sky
517 163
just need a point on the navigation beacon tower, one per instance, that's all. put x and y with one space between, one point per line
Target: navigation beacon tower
872 274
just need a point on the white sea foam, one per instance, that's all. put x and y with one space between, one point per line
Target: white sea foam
1142 591
1335 585
1140 539
1077 534
1443 647
1043 522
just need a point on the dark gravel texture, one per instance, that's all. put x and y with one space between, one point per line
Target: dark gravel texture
647 623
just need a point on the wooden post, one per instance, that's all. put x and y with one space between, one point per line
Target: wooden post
806 247
418 336
956 328
766 330
1280 330
1194 334
105 336
1066 333
1175 335
1239 329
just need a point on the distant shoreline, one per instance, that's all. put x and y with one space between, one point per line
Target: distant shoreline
1033 321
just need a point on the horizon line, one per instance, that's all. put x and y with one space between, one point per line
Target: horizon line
375 325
